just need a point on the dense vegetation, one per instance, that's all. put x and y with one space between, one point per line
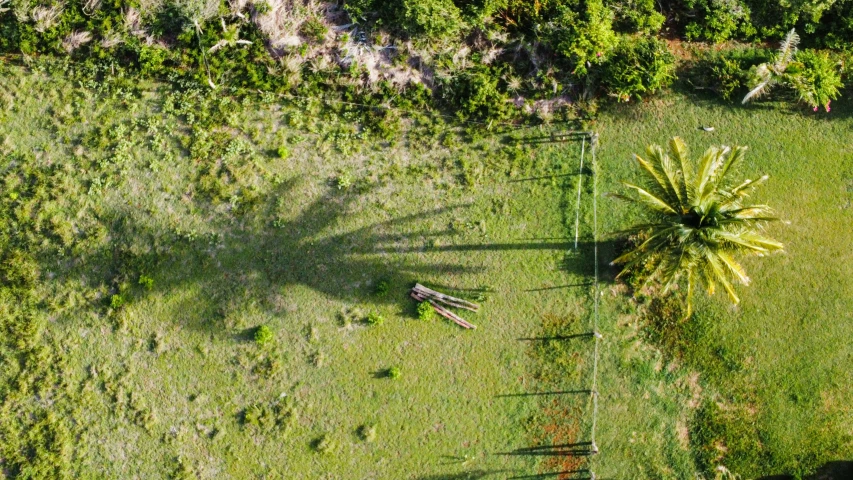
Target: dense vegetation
479 59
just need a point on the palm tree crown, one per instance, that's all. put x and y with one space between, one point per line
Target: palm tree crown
697 221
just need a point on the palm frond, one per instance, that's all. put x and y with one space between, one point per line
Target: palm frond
766 79
652 201
656 181
787 50
679 150
733 158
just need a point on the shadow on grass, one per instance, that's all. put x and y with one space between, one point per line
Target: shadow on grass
250 256
578 449
469 475
836 470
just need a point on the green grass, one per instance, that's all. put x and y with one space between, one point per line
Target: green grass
149 234
173 262
778 363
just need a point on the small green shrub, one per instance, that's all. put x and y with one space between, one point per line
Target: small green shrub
263 335
381 288
393 373
367 433
146 282
374 319
425 311
313 29
343 181
475 95
278 415
117 301
818 80
324 444
433 19
283 152
638 66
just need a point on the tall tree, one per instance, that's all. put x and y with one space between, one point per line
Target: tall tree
697 221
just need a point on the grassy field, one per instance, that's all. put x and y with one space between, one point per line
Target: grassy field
148 233
166 241
766 386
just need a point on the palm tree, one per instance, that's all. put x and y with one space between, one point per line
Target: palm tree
697 221
769 74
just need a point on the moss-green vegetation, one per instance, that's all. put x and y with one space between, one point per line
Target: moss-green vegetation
149 230
759 388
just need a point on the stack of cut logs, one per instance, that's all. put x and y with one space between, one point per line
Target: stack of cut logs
424 294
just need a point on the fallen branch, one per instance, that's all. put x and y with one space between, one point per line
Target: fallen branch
445 299
442 311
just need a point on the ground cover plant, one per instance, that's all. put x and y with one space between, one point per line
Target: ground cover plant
180 299
761 388
189 277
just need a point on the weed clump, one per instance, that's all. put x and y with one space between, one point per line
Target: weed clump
324 444
425 311
374 319
263 335
268 417
381 289
366 433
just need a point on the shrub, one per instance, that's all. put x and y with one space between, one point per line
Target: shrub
374 319
381 289
117 301
638 66
366 433
146 282
425 311
474 94
263 335
433 19
269 416
393 373
717 20
727 72
584 35
818 80
283 152
637 16
324 444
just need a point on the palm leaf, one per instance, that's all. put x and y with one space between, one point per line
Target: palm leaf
787 50
679 150
651 200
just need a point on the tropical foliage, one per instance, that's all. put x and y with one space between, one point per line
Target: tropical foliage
814 76
697 221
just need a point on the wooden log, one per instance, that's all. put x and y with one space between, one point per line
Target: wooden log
446 299
443 312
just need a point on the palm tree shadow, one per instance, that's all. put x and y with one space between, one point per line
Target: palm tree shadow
252 254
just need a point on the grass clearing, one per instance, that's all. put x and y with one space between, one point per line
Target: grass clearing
210 304
776 366
216 288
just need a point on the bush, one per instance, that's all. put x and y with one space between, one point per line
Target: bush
381 289
374 319
117 301
818 81
637 16
366 433
638 66
393 373
425 311
433 19
324 444
583 34
146 282
474 94
727 72
263 335
717 21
